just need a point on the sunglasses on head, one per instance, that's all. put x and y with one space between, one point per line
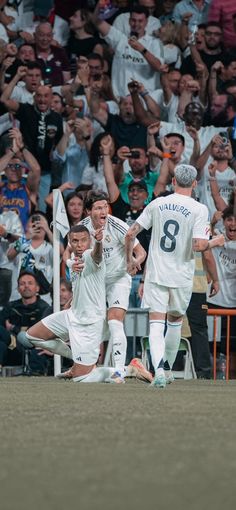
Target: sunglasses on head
14 166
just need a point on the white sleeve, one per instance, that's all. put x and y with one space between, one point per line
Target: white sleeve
145 219
201 229
114 37
119 22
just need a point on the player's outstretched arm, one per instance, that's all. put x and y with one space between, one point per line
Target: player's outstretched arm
204 244
97 251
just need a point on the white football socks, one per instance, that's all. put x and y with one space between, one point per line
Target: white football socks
119 344
172 341
57 346
157 342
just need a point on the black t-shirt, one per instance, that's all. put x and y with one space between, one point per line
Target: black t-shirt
82 47
188 66
41 133
131 135
123 211
21 315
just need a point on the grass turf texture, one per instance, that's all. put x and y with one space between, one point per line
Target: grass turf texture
98 446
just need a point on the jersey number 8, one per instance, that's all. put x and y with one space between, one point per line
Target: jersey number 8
168 241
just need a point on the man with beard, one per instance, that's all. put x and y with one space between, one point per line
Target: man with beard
212 51
139 171
221 72
19 315
216 112
214 169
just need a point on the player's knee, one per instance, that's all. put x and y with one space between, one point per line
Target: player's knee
174 318
117 314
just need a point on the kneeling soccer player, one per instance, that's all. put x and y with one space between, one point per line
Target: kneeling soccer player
83 322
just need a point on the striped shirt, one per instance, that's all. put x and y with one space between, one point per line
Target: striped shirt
222 12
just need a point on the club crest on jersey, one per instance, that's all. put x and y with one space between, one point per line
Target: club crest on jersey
107 238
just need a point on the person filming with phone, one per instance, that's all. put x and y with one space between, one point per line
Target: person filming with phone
217 178
137 55
139 171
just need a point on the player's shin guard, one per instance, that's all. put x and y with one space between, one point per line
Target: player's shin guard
172 341
119 344
157 342
57 346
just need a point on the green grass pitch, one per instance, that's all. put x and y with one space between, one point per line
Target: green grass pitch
99 446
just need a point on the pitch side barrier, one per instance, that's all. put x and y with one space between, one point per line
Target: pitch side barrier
137 325
216 313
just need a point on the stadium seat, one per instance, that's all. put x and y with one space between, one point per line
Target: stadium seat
188 372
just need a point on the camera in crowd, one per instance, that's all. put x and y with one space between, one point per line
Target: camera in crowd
134 154
225 137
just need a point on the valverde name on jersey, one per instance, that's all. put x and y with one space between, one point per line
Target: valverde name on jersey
175 207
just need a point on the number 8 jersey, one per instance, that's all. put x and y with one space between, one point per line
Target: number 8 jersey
175 221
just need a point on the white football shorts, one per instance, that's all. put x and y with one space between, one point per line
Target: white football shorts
84 339
118 291
166 299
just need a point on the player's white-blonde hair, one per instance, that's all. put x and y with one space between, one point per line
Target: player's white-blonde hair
185 175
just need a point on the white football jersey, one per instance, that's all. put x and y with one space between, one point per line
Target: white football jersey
113 245
43 256
175 221
89 302
225 257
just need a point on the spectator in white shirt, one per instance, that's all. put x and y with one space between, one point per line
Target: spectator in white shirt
139 56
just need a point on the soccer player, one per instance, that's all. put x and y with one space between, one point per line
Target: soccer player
83 322
118 281
180 226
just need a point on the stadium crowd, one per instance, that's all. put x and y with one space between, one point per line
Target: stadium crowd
104 100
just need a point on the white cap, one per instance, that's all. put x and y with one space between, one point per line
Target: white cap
185 175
